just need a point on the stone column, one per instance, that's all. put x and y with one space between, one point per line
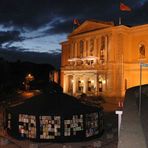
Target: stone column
70 50
76 48
106 48
74 84
95 47
84 51
86 48
65 85
96 83
98 47
72 54
85 85
88 43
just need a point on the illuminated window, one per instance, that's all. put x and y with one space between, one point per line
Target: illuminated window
102 49
90 85
100 86
91 47
102 42
70 83
101 82
74 48
80 86
81 48
142 51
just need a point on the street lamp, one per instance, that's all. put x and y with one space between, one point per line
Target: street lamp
29 77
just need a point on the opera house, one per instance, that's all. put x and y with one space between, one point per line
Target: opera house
100 58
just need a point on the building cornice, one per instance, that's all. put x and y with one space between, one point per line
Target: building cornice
142 28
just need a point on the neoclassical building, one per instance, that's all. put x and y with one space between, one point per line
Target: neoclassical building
100 58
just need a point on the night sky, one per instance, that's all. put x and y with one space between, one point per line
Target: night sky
32 29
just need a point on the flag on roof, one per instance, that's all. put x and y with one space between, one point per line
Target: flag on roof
124 7
76 22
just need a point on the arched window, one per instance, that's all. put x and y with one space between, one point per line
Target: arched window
70 83
91 47
142 50
102 56
74 49
81 48
80 85
102 42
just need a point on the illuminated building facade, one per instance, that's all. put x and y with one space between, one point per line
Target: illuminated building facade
100 58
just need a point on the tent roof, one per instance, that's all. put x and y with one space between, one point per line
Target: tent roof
52 103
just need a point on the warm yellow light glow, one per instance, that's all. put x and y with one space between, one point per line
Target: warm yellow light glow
100 66
29 77
103 81
72 81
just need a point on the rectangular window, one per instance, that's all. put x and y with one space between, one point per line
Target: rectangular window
100 86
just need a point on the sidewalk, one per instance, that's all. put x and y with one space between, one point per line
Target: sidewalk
110 105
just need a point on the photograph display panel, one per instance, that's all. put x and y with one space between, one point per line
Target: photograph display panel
73 126
92 125
50 127
9 121
101 121
27 126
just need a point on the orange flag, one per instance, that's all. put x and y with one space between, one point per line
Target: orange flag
76 22
124 7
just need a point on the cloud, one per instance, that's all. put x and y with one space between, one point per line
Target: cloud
9 36
33 14
14 54
28 22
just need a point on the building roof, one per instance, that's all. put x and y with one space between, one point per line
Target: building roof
91 25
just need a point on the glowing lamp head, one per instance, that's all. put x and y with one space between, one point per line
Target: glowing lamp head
103 81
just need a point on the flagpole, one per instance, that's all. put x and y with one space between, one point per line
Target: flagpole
123 7
120 21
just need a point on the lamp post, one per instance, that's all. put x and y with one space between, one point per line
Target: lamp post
139 108
28 79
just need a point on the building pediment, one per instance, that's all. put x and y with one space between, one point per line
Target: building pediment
90 25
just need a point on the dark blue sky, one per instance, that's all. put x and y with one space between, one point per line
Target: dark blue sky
32 26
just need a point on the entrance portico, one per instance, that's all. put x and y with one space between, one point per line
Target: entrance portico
83 82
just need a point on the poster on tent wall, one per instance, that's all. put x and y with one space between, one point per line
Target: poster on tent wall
92 124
